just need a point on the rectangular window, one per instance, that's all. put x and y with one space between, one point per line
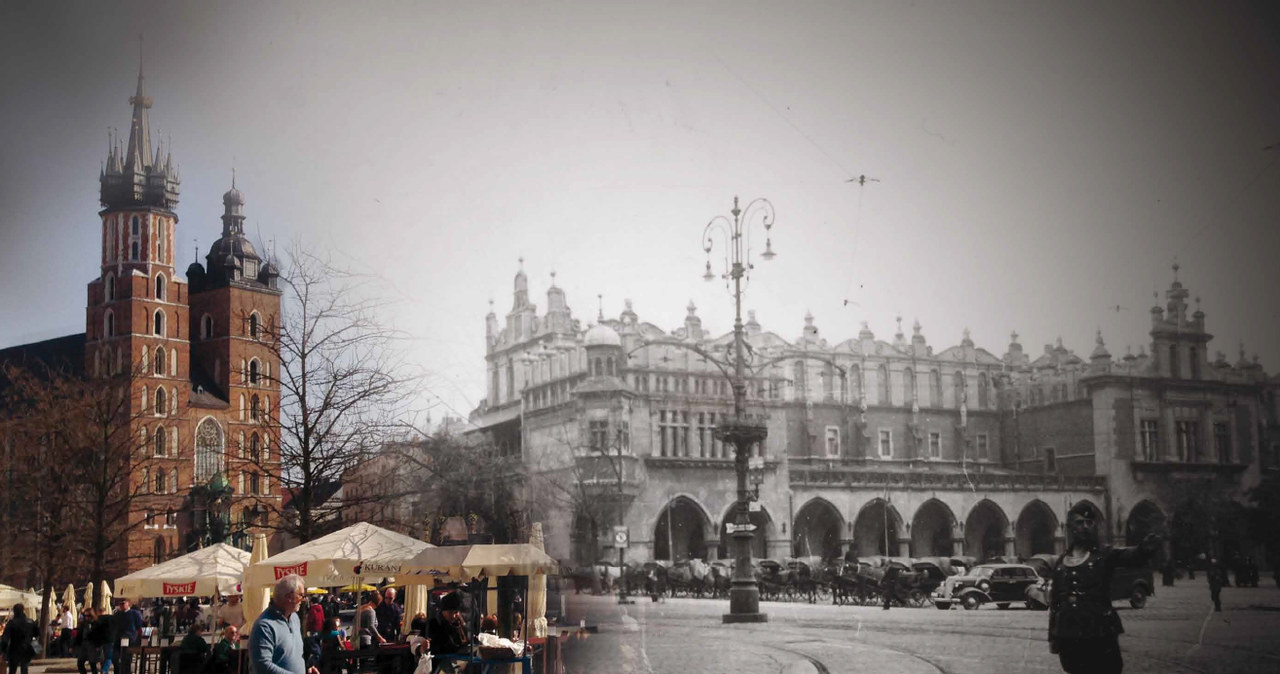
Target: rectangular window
833 441
1188 449
1150 440
599 434
1050 460
886 444
935 445
1222 442
984 447
684 432
664 446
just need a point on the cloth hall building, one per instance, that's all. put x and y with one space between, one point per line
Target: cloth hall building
875 446
195 353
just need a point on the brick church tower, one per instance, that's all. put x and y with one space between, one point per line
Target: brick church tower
204 400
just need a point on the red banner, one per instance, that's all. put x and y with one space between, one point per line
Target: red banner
282 571
179 589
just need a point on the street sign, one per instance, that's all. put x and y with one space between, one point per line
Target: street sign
621 537
732 528
753 506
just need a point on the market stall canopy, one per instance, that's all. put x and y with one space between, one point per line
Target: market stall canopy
345 556
12 595
215 568
463 562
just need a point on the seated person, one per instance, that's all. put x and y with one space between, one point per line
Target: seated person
223 658
448 633
419 624
194 643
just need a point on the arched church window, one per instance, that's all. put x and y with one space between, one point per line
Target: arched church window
162 480
158 447
206 326
255 448
158 323
109 288
209 450
109 325
133 251
255 325
159 361
162 403
883 373
160 286
255 408
133 226
253 372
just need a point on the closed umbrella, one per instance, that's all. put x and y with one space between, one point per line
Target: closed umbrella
538 589
256 596
415 601
69 600
104 598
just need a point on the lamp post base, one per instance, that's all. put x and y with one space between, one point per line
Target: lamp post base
729 618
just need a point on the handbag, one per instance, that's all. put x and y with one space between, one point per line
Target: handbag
36 647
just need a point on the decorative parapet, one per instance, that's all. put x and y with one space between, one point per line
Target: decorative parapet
821 473
1174 467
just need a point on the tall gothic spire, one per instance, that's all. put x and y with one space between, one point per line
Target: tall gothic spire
138 152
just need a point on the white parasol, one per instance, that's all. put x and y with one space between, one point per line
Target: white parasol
69 600
215 569
255 596
538 588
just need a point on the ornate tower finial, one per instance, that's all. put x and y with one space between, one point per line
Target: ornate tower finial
1176 267
600 311
1013 337
553 278
233 177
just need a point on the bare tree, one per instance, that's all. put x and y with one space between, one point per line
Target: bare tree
75 476
344 387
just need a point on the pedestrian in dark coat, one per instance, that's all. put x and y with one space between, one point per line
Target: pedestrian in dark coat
17 640
1084 629
1217 578
889 585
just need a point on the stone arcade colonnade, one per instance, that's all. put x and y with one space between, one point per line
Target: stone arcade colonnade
825 521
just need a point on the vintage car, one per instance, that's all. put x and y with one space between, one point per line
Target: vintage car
999 584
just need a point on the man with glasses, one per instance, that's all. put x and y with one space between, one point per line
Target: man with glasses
275 644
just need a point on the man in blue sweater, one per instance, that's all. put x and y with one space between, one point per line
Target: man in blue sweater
275 644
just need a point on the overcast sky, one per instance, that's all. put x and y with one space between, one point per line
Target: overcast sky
1040 163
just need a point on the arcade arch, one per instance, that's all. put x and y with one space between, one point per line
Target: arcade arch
680 531
931 530
985 530
1035 531
1144 518
875 529
816 530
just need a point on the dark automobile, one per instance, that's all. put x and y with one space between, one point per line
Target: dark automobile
1132 584
1000 584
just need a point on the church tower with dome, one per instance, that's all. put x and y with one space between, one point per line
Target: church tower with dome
198 352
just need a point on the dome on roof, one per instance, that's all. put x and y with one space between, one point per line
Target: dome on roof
601 335
233 197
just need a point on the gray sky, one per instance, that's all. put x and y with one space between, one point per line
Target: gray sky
1039 162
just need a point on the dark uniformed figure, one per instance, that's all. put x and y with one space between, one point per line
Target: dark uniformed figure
1084 629
1217 578
889 585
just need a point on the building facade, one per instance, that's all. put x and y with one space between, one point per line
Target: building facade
874 446
197 352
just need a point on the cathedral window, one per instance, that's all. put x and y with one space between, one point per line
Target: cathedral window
883 385
162 405
162 480
150 518
146 399
158 323
983 385
145 365
134 228
173 400
109 287
206 326
159 360
160 286
209 450
109 324
158 447
173 362
833 441
253 372
886 443
255 326
255 408
133 251
241 407
255 449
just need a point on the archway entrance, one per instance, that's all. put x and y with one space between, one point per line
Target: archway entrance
680 532
984 531
760 537
816 531
1145 518
875 530
931 530
1035 530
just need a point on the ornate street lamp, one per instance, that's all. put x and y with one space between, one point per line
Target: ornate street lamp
742 432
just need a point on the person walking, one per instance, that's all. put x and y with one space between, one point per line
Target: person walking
127 625
1084 629
1217 578
390 616
275 643
17 638
889 585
